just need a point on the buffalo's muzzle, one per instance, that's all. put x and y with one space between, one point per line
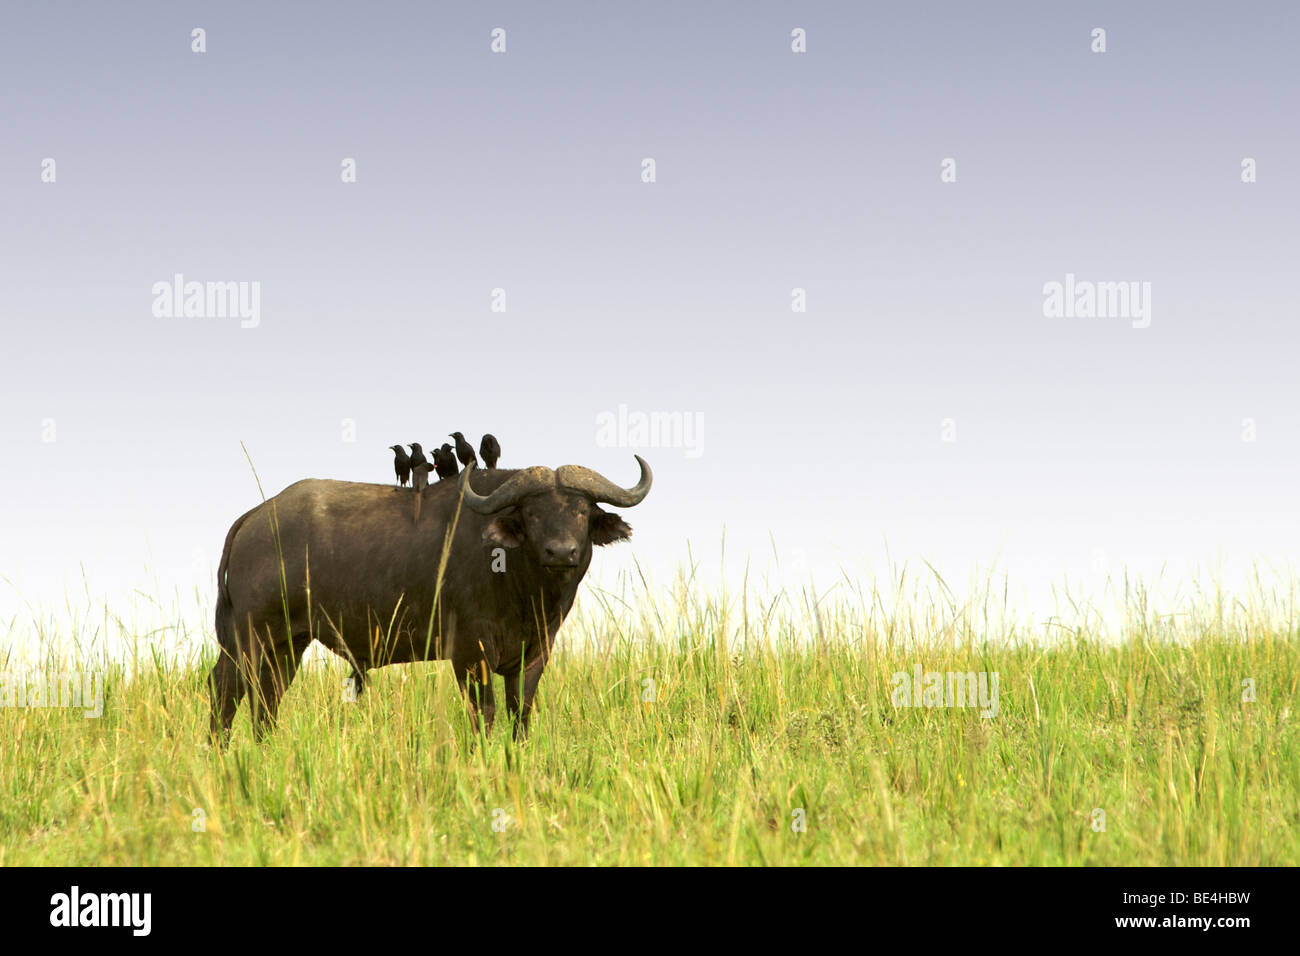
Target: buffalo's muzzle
560 555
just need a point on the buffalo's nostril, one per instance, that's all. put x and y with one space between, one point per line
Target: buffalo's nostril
561 554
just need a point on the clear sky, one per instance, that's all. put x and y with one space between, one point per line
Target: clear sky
1079 445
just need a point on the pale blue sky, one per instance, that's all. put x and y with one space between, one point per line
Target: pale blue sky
521 171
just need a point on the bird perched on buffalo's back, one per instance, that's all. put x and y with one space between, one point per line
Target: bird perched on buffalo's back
444 459
420 476
464 450
401 464
490 449
420 480
417 455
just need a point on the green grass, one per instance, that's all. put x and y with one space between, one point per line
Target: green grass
780 715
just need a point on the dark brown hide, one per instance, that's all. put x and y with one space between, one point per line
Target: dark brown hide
371 574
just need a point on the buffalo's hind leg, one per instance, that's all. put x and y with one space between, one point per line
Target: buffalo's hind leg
225 690
275 672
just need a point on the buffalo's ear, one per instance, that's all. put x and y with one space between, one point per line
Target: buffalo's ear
505 529
607 528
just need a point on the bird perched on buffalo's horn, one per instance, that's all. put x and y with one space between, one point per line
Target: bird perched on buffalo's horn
401 464
489 450
444 460
464 450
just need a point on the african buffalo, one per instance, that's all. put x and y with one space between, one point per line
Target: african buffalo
357 567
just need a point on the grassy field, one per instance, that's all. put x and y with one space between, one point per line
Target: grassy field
745 738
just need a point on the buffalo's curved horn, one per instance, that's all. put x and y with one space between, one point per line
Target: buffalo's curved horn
601 489
513 490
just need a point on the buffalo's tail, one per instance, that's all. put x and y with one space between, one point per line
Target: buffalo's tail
225 621
226 685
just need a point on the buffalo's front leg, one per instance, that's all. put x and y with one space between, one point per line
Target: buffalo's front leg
523 682
476 686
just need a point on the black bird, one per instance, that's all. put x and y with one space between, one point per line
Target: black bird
490 449
401 464
464 450
417 455
444 459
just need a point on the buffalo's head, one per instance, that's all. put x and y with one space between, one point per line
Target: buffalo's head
556 514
